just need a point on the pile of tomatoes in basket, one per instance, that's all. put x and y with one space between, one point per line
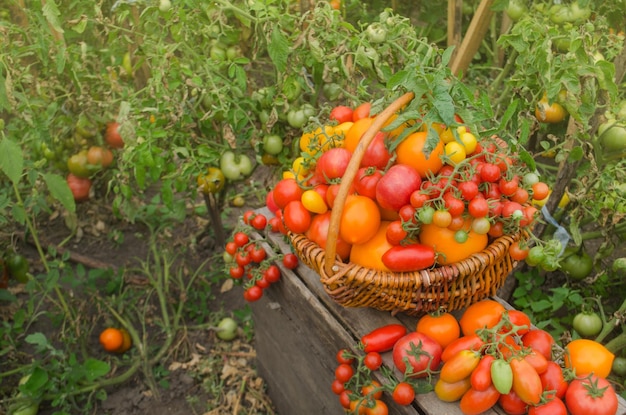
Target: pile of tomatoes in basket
432 196
489 356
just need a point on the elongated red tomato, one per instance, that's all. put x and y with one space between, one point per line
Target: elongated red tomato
405 258
383 338
481 376
460 366
526 381
553 381
476 402
469 342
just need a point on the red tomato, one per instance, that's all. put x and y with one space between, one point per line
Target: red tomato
482 314
441 327
337 387
591 395
467 342
403 393
258 222
361 111
253 293
286 191
269 201
296 217
80 187
517 252
481 376
344 356
366 181
478 207
341 113
540 341
395 232
272 273
112 135
418 366
333 163
382 339
373 361
490 172
519 320
552 407
411 257
553 381
512 404
318 233
344 372
379 408
476 402
290 261
468 189
395 187
377 154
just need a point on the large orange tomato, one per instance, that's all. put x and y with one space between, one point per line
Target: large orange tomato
442 327
588 356
360 219
411 152
446 246
370 253
551 113
483 314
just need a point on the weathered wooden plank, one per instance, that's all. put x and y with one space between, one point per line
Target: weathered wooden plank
299 330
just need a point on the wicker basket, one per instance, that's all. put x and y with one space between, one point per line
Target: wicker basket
451 287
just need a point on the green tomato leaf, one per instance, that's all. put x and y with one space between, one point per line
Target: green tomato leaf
278 49
35 382
11 160
95 369
59 189
51 12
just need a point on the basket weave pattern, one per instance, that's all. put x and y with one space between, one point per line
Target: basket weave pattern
451 287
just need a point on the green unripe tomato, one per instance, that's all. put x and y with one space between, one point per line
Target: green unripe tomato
587 324
577 266
272 144
619 366
235 167
227 329
18 267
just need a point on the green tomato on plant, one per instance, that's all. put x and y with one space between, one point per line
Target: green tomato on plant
576 265
587 324
235 166
272 144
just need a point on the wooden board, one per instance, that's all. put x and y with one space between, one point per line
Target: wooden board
298 331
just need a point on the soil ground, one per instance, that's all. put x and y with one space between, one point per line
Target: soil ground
202 374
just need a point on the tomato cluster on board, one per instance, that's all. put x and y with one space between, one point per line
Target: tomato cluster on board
489 356
247 260
422 196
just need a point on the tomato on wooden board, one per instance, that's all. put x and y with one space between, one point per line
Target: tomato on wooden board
466 342
459 366
553 381
382 339
405 360
501 376
403 393
588 356
591 395
443 327
482 314
512 404
476 402
452 392
554 406
526 381
481 376
540 341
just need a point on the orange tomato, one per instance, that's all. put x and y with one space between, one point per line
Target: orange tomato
370 253
111 339
353 135
526 381
360 219
460 366
127 341
551 113
588 356
482 314
443 328
476 402
451 392
411 152
448 249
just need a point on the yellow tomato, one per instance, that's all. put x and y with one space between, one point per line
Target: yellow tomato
588 356
455 152
313 201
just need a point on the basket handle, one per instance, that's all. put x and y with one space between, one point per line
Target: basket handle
350 173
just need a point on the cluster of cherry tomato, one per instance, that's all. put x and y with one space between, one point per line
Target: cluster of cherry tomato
489 356
429 197
245 257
